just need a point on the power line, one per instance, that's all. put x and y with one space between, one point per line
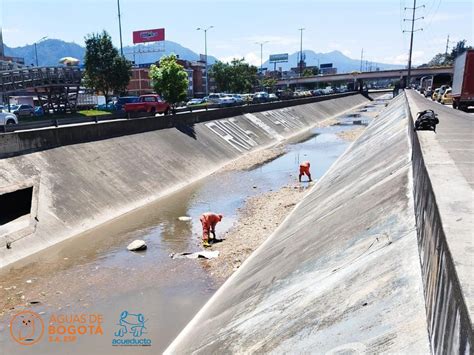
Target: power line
413 20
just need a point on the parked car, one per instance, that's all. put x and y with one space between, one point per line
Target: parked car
193 102
260 97
22 110
39 111
447 98
285 94
7 118
239 100
227 100
222 99
434 97
272 98
148 103
121 101
428 92
441 92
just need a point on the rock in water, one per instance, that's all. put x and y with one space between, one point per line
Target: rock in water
137 245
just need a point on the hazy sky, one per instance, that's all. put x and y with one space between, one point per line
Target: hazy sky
375 25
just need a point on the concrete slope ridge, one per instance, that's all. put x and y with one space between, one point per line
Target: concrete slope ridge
72 188
341 274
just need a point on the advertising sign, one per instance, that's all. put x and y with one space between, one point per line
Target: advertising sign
327 65
279 58
144 36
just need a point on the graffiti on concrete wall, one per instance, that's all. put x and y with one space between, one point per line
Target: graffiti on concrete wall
229 131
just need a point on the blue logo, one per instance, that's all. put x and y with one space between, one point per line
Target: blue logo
131 328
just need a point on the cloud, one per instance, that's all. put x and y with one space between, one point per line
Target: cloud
251 58
417 57
445 17
10 30
279 40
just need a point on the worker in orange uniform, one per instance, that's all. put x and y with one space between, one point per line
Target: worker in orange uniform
304 170
209 221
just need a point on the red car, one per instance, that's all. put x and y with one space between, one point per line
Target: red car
150 104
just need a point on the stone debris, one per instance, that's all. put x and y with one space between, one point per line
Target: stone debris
137 245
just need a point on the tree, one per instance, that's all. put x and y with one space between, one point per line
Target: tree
308 72
441 59
237 77
438 60
458 49
105 70
269 83
170 80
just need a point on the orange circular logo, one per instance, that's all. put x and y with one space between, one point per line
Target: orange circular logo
26 328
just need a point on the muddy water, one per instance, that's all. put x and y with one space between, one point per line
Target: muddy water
94 273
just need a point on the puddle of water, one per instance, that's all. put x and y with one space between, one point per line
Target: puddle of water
95 273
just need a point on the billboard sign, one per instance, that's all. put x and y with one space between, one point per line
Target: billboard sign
279 58
327 65
144 36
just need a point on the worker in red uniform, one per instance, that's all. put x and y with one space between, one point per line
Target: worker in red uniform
209 221
304 170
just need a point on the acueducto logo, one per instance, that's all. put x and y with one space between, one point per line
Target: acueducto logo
131 328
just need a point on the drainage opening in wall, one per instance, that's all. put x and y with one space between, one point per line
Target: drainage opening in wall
15 209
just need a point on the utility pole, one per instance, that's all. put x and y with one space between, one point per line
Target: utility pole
120 28
361 58
261 54
205 54
413 20
447 45
301 51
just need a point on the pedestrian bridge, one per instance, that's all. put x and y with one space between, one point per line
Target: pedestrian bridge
12 81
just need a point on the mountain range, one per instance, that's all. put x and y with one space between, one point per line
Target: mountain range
343 63
51 50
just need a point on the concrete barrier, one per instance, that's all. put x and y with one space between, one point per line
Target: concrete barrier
341 274
443 209
79 186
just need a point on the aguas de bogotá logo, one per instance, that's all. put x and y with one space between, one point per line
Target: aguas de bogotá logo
28 327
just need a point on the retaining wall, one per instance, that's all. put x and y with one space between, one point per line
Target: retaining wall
447 300
79 186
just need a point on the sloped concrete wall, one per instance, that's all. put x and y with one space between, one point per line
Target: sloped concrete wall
341 274
79 186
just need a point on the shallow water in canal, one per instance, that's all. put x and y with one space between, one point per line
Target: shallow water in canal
94 273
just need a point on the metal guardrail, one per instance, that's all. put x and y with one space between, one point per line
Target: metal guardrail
26 78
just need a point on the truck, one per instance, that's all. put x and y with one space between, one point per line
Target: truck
463 81
148 103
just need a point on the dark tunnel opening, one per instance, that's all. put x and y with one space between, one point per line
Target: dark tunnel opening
15 204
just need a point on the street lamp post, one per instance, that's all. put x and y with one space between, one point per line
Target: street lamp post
36 49
205 53
261 54
120 27
301 51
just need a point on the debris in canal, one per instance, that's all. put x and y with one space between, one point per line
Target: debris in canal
206 254
137 245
